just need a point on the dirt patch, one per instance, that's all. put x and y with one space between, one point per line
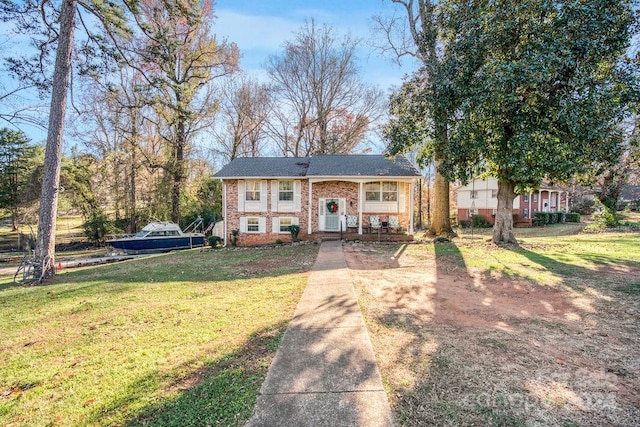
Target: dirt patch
475 346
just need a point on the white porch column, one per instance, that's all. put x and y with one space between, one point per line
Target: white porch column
360 205
309 208
411 194
530 213
539 200
224 214
566 202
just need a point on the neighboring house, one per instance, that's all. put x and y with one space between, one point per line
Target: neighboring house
629 196
263 196
480 197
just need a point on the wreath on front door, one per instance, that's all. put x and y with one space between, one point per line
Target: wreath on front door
332 207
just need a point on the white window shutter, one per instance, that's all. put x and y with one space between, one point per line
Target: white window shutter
297 195
274 196
243 224
241 193
321 218
263 196
262 224
402 197
275 225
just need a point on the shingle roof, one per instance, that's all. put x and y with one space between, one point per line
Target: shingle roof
345 165
265 167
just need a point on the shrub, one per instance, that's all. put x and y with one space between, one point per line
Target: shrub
572 217
480 222
214 241
541 218
97 227
562 217
278 241
605 218
294 230
465 223
553 217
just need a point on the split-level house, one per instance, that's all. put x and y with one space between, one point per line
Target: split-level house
359 194
480 197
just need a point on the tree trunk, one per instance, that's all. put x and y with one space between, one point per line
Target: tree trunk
503 227
14 219
440 221
178 173
46 239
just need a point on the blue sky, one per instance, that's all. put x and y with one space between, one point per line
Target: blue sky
260 27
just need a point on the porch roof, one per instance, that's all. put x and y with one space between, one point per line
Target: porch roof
345 165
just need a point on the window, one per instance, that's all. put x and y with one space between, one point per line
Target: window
389 191
253 225
474 194
372 192
284 224
525 198
494 194
525 213
285 191
252 191
386 191
535 197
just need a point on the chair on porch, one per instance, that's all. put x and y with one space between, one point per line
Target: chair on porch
393 224
352 222
374 223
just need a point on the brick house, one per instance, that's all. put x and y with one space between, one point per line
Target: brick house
263 196
480 197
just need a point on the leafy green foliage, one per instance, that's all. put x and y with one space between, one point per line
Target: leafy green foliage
215 241
525 92
294 230
16 161
572 217
97 227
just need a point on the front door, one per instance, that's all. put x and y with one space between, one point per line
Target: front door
331 211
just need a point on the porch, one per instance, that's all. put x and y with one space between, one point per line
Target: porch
365 237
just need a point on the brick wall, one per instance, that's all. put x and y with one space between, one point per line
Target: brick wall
330 189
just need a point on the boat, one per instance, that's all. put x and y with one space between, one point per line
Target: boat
160 237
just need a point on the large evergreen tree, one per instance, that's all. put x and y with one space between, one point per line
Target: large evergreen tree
537 89
16 161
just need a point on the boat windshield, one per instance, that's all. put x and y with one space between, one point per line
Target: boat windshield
141 233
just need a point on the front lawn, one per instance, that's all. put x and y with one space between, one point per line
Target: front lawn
470 334
175 339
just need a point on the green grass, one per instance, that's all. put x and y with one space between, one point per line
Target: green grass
469 333
175 339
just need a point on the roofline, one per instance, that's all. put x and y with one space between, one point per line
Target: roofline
326 177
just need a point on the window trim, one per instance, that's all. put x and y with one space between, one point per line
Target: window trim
249 183
257 224
381 192
291 191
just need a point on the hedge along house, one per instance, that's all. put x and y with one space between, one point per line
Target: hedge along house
479 197
263 196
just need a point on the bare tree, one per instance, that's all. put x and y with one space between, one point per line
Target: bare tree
180 59
245 105
415 34
323 105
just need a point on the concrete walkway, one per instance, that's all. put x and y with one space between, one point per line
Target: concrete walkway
324 373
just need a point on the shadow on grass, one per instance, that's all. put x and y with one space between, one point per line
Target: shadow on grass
219 393
499 349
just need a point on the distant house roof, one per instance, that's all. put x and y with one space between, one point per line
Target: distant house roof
630 193
346 165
